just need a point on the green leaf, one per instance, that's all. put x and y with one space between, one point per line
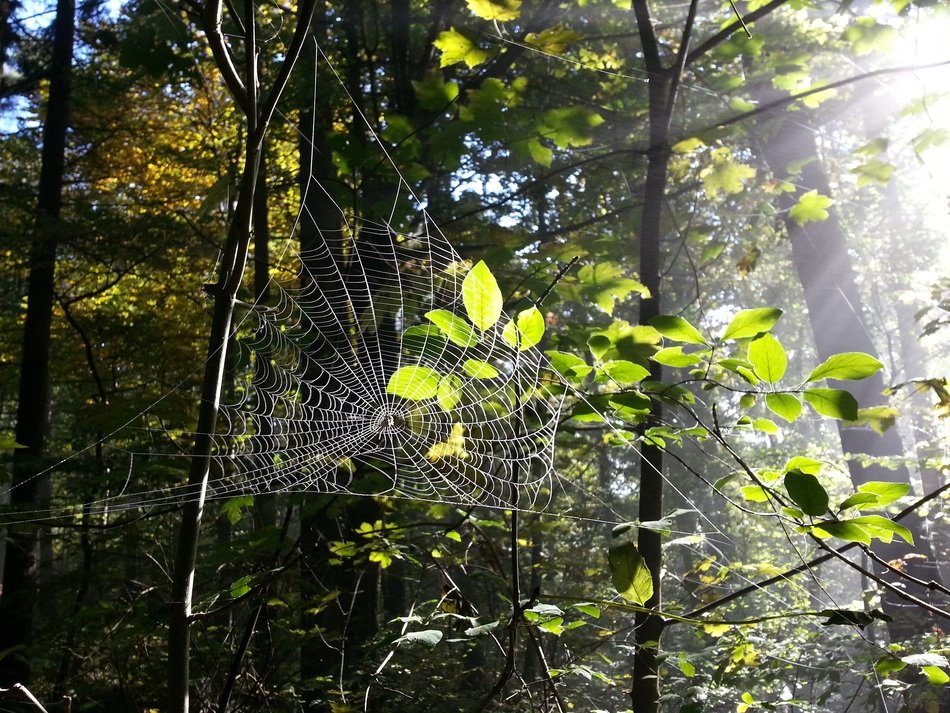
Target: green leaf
754 493
806 465
674 356
750 322
604 283
553 40
857 500
434 93
631 401
766 426
850 365
450 392
677 328
502 10
784 406
414 382
478 369
233 508
688 145
538 152
768 357
884 492
741 367
456 47
569 365
882 528
724 175
482 298
888 664
834 403
525 330
591 610
428 637
805 490
874 171
936 676
625 372
599 344
8 443
454 327
630 574
879 418
842 529
570 127
424 340
240 586
810 208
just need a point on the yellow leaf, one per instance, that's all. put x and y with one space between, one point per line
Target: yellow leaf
495 9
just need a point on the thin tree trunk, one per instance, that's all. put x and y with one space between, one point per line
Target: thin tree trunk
663 83
231 273
18 598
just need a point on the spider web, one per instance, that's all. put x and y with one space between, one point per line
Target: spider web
318 411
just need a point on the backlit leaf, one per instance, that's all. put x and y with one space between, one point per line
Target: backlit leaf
674 356
750 322
883 528
454 327
570 126
834 403
811 208
850 365
502 10
456 47
847 531
630 574
525 330
414 382
785 406
768 357
677 329
936 676
724 175
450 392
625 372
478 369
481 296
553 40
885 492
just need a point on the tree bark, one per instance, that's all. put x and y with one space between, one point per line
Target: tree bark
232 267
662 84
29 489
836 312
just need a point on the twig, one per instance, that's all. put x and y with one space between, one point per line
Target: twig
24 691
557 278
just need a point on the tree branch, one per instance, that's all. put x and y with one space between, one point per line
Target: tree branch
212 18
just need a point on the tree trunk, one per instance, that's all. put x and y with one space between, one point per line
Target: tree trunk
662 85
836 311
29 489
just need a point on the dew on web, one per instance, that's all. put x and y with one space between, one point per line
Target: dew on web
320 410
